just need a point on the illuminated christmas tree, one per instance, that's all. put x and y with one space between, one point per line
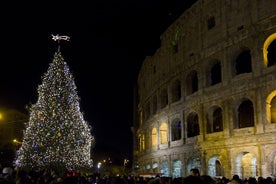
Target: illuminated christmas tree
56 136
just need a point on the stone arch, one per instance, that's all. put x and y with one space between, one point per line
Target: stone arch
214 73
148 167
164 98
243 108
245 165
243 62
246 114
267 42
271 107
163 133
176 168
234 56
192 82
273 164
155 167
176 129
214 120
215 166
164 168
192 162
176 90
193 128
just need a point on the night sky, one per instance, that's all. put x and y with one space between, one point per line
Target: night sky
108 42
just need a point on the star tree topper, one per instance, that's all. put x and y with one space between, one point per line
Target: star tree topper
58 38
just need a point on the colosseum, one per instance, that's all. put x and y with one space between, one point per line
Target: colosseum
207 96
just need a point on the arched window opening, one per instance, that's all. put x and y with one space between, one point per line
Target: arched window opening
246 114
243 63
273 110
176 91
154 137
192 83
248 165
192 125
163 133
216 74
214 120
155 167
148 167
164 98
271 53
165 168
214 167
176 128
192 163
217 120
268 46
211 22
177 170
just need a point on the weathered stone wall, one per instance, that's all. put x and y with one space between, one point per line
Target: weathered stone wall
239 25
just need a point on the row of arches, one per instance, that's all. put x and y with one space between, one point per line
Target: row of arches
243 117
245 164
174 92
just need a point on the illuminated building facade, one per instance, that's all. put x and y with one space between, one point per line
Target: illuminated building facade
207 97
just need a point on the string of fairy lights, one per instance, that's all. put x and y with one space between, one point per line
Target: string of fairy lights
56 132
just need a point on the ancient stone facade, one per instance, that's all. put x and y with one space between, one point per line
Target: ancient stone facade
207 97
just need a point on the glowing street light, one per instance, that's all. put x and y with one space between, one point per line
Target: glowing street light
99 166
16 141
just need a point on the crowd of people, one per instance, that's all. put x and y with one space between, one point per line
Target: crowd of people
9 175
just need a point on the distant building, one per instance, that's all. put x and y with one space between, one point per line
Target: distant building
207 97
12 123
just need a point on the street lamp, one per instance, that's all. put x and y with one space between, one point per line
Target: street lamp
16 141
12 126
99 166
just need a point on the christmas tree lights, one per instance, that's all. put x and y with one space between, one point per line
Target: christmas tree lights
56 134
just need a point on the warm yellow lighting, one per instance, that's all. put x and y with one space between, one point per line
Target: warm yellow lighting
99 165
154 137
16 141
125 161
163 131
142 142
1 116
265 46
